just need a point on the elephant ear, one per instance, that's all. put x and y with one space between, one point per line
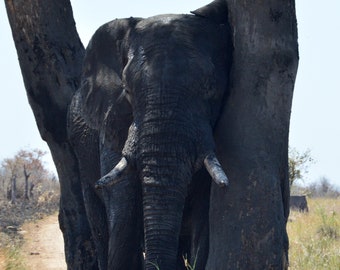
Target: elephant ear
216 11
104 107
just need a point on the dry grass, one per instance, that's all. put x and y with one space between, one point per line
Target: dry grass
11 219
13 259
315 236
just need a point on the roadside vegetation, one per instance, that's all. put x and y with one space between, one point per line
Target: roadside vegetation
28 192
315 236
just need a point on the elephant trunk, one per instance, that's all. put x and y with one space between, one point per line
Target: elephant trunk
161 227
164 195
166 170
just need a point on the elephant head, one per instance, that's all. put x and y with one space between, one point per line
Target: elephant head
154 89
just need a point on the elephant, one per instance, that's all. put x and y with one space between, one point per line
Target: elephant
142 125
298 202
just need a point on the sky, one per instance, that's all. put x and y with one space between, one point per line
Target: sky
315 123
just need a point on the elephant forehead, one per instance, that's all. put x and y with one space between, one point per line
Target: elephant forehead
169 71
181 31
171 53
178 43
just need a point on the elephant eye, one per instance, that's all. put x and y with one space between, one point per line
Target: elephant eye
127 94
126 91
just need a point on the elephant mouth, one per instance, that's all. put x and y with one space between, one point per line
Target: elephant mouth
211 164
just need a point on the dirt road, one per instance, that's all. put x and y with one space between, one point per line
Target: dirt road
43 247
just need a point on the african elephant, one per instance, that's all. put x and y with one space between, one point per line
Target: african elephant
151 93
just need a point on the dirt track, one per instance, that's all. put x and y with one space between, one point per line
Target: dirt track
43 247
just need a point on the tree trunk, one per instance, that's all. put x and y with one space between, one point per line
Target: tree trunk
31 190
248 221
50 56
26 175
13 189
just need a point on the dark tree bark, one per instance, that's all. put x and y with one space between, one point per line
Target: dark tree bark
248 221
50 56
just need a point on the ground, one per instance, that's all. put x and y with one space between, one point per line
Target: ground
43 246
2 261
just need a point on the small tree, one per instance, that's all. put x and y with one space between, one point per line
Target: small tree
23 172
13 194
33 168
27 175
298 164
10 167
323 188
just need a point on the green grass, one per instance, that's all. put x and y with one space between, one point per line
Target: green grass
14 260
187 264
315 236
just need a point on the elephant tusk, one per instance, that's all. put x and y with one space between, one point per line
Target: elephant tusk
111 178
215 170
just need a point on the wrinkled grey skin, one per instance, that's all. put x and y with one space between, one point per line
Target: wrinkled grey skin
151 92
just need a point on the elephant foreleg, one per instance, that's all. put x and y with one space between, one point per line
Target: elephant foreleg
124 214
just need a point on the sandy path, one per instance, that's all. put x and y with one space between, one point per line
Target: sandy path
2 261
43 247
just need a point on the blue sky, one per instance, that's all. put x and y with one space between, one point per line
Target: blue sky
315 113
